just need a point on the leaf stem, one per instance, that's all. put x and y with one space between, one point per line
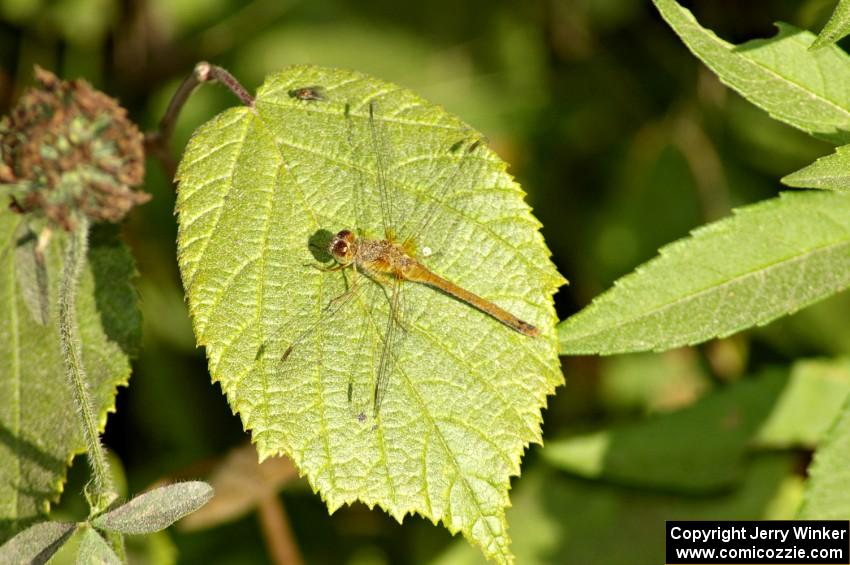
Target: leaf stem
75 259
207 73
156 142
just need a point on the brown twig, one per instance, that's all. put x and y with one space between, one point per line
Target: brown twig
156 142
280 542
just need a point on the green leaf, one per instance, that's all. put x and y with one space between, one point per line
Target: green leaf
36 544
767 260
258 186
837 27
826 495
698 448
35 445
94 549
808 405
831 172
807 89
157 509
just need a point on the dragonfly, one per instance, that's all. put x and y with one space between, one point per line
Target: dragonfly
391 262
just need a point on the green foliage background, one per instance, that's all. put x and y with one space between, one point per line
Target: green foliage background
623 141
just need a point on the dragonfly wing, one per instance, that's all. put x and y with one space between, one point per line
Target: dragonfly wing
461 155
306 348
390 346
383 159
362 203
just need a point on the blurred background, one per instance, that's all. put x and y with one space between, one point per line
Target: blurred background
621 139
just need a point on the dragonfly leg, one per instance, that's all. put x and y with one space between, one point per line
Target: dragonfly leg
337 267
389 281
351 289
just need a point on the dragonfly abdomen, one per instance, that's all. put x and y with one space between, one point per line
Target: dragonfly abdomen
417 272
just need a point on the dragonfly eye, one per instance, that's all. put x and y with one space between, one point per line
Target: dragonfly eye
341 246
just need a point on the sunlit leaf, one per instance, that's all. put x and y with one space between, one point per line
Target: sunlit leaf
807 89
831 172
39 430
826 495
258 186
767 260
837 27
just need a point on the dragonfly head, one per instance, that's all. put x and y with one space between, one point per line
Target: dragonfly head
342 247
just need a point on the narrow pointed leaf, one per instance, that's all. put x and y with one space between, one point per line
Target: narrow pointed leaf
36 544
35 445
94 550
767 260
258 187
837 27
831 172
807 89
157 509
826 495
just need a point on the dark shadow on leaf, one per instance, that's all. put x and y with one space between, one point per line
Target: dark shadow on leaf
318 245
31 452
10 528
46 553
260 351
17 526
115 296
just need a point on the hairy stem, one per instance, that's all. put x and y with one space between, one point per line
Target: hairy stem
75 259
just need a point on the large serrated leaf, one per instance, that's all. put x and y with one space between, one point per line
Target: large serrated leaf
258 186
807 89
39 430
767 260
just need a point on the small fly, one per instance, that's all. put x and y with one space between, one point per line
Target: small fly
308 93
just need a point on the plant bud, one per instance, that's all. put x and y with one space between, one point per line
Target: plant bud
69 150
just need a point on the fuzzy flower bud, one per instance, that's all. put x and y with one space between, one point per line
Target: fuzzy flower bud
68 150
